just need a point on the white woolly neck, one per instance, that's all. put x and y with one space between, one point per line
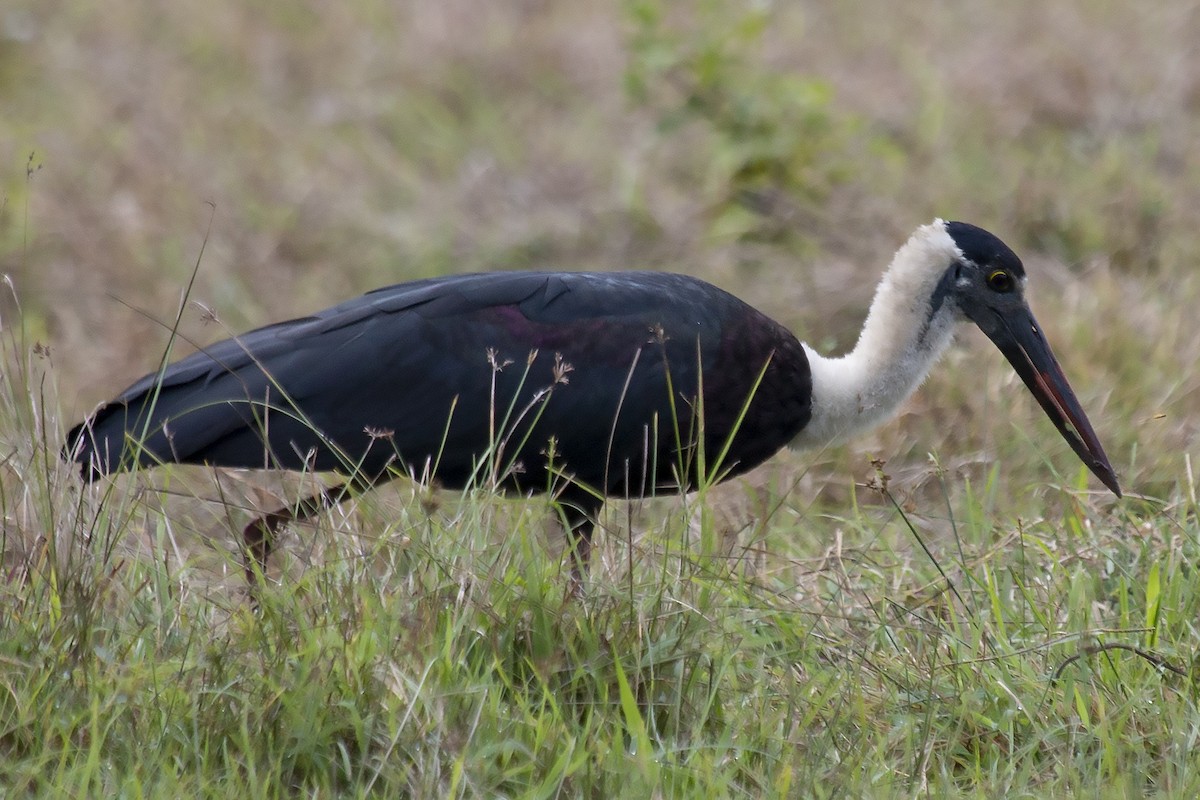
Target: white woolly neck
900 341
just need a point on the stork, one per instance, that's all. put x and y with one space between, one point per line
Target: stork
585 385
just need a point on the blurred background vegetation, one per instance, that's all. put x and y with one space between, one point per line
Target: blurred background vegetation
319 149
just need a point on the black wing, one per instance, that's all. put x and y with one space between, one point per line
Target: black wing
451 373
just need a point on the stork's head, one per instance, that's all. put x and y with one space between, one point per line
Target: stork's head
985 282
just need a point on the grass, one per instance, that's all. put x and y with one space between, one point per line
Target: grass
972 618
430 648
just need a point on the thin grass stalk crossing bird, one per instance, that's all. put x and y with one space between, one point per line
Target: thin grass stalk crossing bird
585 385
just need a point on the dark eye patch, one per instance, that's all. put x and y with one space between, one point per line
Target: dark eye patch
999 280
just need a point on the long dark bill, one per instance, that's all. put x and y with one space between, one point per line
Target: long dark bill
1020 338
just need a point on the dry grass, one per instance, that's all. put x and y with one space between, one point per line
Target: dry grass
346 146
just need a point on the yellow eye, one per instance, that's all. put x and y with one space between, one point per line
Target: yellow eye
1000 281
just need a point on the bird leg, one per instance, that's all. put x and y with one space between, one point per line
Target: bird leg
259 535
579 517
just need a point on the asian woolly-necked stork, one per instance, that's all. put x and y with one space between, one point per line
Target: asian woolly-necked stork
587 385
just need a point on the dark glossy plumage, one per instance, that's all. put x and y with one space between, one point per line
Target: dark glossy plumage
401 380
581 384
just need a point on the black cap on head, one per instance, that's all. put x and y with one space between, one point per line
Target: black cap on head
983 248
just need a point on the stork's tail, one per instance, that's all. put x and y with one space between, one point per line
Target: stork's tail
98 444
